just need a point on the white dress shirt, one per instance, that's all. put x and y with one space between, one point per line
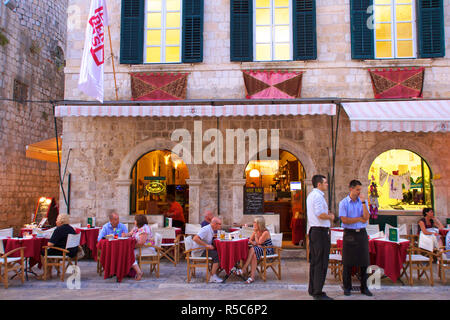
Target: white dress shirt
315 206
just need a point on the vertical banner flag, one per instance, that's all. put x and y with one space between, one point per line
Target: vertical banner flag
91 73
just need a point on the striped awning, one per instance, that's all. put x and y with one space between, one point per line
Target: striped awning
409 116
194 110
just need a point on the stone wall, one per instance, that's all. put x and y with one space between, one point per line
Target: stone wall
34 32
104 150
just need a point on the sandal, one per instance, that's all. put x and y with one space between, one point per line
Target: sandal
249 280
239 272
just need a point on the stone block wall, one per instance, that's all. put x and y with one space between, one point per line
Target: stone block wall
34 56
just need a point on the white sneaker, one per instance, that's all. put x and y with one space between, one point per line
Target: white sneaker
215 278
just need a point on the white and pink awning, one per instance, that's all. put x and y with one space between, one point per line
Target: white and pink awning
409 116
194 110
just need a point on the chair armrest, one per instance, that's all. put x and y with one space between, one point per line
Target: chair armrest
13 251
56 248
196 249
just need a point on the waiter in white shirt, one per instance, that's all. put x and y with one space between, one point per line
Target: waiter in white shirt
319 221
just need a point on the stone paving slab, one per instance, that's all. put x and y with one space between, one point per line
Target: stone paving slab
172 284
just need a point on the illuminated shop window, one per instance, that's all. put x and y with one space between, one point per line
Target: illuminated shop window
403 181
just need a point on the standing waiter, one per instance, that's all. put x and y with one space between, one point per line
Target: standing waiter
319 220
354 213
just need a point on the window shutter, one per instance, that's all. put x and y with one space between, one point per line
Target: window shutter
241 30
430 15
192 31
304 29
362 36
132 32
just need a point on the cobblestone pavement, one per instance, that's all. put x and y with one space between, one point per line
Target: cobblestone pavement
172 285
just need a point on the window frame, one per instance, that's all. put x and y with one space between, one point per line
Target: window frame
272 26
394 22
163 29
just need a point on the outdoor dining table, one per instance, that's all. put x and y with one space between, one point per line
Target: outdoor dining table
89 238
388 255
116 256
32 251
230 252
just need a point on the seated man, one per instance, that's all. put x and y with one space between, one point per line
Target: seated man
113 227
447 244
205 238
208 217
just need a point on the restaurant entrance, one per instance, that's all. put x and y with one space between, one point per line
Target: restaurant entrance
154 176
278 187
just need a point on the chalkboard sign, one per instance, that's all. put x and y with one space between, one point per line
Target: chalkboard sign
253 200
43 206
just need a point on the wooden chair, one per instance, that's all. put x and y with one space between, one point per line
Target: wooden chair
99 265
151 258
419 260
6 232
194 260
169 250
8 264
444 264
335 262
272 261
413 239
63 261
190 229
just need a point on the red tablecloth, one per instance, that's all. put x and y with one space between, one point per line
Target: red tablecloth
32 250
23 230
117 257
230 252
443 232
387 255
89 238
298 227
233 229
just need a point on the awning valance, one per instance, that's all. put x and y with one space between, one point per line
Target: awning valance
194 110
44 150
409 116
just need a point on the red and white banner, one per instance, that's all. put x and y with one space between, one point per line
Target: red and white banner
91 73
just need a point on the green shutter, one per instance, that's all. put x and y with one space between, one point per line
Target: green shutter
192 31
304 27
241 30
430 26
362 36
132 32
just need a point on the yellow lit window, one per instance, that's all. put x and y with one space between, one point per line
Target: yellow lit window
272 30
394 29
163 32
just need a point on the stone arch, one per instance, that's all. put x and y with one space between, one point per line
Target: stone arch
296 150
124 181
145 147
425 151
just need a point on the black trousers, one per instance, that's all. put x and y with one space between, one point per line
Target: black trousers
347 277
319 251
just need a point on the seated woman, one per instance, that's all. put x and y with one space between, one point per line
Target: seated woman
143 235
259 238
59 238
429 225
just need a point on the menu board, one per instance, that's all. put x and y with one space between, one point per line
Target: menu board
43 206
253 200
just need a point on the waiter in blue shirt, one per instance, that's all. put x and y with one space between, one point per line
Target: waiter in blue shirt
354 214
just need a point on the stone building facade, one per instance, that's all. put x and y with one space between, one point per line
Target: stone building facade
32 69
104 149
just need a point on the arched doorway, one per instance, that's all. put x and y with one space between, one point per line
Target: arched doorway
402 181
278 187
155 175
